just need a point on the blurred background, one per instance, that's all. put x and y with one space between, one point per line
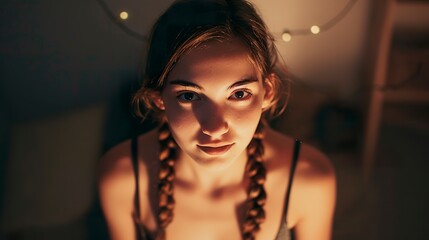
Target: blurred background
360 92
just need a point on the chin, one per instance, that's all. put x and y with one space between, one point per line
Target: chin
217 163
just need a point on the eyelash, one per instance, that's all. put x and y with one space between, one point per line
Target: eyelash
181 96
246 97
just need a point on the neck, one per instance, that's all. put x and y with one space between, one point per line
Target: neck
208 178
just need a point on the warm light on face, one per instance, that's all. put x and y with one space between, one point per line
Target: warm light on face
213 99
315 29
123 15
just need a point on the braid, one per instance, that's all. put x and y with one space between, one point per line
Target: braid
256 197
255 170
167 157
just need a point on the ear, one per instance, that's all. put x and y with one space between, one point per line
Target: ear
269 90
156 98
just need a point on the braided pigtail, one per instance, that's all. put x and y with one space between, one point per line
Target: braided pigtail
167 157
256 197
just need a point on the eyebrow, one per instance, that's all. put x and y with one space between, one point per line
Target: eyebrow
243 82
194 85
185 84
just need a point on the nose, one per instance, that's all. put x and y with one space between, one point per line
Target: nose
216 131
214 123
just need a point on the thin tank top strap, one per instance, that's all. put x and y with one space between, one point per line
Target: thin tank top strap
295 158
284 233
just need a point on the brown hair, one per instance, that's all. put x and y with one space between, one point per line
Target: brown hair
185 25
188 23
256 196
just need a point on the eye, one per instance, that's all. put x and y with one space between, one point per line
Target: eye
240 95
188 96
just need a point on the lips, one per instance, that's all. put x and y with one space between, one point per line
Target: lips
215 150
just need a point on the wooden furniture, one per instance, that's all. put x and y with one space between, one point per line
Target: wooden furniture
386 64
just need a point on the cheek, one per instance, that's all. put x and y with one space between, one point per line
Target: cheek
247 117
181 119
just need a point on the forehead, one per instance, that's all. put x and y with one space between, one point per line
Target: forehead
215 59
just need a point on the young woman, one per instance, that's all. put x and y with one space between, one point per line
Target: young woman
214 169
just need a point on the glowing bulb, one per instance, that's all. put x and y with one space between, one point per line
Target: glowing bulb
123 15
315 29
286 36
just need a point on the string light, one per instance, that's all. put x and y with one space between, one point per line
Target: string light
120 23
123 15
316 29
286 35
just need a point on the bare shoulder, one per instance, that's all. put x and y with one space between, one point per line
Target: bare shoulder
116 183
116 179
116 163
116 188
313 165
313 193
116 167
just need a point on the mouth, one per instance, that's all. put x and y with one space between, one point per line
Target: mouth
215 150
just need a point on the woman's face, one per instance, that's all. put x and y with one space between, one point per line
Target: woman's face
213 101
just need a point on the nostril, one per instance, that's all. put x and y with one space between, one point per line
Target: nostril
215 130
